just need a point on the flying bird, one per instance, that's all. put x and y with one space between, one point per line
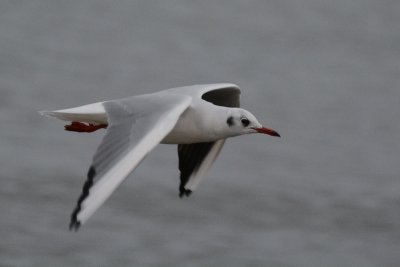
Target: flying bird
197 118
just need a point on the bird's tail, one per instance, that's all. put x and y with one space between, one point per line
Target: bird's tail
92 114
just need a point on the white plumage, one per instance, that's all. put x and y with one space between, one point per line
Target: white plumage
198 118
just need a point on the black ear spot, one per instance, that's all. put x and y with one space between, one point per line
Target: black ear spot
245 122
229 121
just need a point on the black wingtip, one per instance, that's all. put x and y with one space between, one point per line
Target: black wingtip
184 192
74 225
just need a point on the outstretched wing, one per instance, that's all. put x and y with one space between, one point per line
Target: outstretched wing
196 159
135 126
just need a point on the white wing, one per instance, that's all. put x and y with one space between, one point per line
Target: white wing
135 126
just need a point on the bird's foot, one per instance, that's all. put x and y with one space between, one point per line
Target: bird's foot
80 127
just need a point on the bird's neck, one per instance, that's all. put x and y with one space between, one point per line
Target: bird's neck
215 124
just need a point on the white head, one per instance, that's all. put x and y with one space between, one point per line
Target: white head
240 121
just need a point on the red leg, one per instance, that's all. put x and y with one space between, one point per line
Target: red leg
76 126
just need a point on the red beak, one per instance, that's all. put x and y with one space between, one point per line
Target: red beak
268 131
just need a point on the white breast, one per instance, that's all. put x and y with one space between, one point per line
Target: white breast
201 122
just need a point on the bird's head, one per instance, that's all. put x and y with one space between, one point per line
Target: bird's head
241 121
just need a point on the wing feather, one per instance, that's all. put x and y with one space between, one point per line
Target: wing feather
194 161
136 126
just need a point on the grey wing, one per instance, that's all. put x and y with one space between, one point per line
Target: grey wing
194 161
225 96
190 159
135 126
220 94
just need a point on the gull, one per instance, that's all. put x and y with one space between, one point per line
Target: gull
198 118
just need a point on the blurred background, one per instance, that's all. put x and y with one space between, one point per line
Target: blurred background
324 74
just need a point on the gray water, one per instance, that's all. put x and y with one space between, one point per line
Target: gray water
325 74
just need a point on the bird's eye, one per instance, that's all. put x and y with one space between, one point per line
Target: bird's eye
245 122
